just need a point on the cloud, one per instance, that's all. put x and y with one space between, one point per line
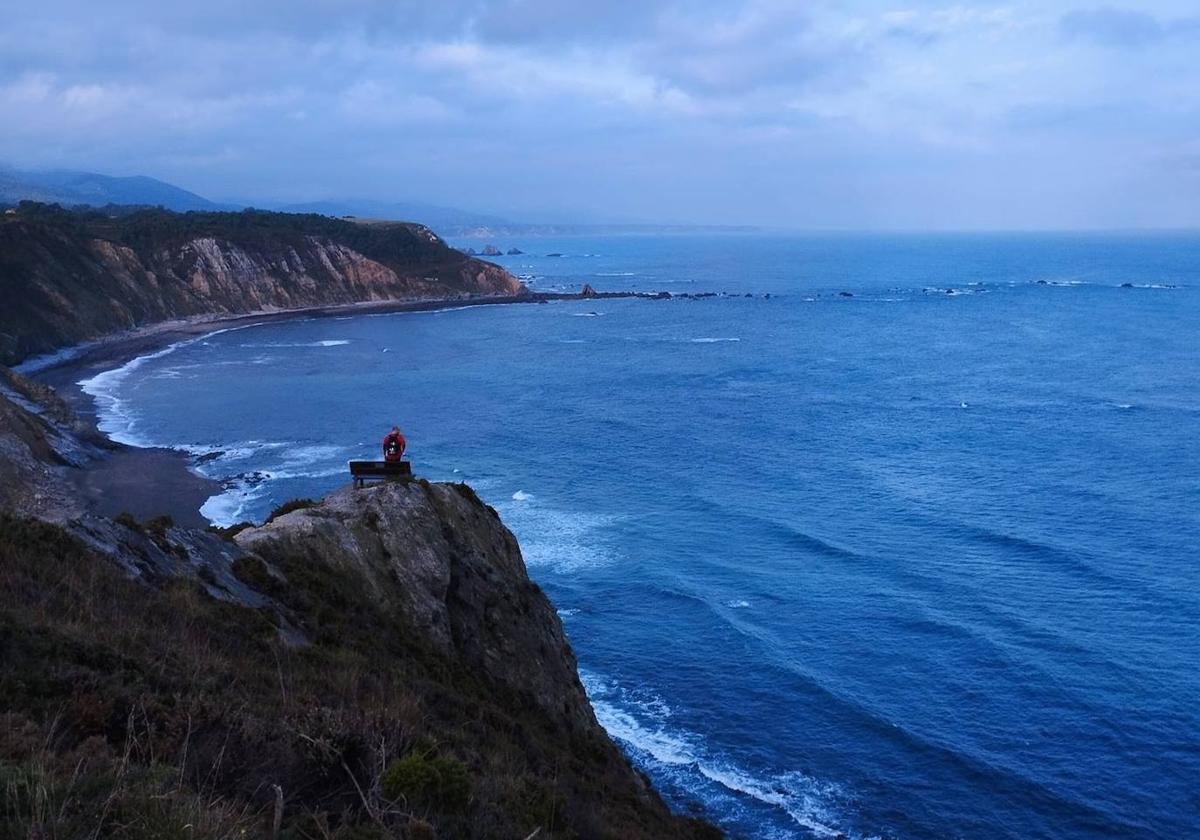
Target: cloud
819 114
1113 27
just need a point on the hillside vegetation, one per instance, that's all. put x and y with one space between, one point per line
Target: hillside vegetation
68 276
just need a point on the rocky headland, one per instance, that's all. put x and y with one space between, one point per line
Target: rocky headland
70 276
376 664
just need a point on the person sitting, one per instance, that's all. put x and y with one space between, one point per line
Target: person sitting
393 446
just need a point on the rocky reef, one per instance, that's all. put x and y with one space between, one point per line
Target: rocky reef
72 276
373 665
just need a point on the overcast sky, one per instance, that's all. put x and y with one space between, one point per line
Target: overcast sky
813 115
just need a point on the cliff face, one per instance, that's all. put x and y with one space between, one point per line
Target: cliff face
448 562
68 277
375 665
40 438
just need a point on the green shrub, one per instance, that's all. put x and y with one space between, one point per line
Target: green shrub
230 532
253 572
128 520
422 777
288 507
159 524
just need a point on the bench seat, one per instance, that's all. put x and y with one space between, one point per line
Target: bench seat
361 471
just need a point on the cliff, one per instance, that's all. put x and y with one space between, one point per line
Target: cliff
73 276
374 665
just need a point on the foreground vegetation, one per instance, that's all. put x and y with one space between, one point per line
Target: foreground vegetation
152 710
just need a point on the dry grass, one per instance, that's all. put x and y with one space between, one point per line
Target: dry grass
140 712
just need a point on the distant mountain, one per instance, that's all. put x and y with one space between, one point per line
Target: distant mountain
71 188
442 219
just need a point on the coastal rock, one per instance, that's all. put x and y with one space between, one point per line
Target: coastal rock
587 291
491 251
437 553
71 277
383 645
512 252
40 439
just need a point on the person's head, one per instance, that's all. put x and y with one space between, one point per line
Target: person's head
395 430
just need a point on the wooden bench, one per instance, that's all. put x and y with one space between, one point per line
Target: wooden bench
360 471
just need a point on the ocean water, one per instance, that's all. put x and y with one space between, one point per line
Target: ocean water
917 561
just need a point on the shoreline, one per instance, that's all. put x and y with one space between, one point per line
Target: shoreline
63 369
155 481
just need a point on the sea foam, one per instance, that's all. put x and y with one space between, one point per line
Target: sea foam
643 722
114 416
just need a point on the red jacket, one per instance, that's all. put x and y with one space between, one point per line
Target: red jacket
393 446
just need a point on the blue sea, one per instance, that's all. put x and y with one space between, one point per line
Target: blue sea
904 545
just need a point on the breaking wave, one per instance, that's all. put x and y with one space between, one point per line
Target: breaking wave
642 721
114 416
329 342
559 540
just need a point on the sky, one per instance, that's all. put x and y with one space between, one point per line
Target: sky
851 115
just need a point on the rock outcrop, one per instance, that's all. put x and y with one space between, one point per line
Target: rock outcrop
40 438
437 553
67 277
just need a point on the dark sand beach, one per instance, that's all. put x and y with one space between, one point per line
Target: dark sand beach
149 482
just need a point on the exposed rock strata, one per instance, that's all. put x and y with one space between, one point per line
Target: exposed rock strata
70 277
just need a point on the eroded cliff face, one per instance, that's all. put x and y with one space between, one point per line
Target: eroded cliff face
374 665
40 439
443 558
69 277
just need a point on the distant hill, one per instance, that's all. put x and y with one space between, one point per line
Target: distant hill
68 276
442 219
71 188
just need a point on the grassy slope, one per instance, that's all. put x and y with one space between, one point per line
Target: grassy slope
157 712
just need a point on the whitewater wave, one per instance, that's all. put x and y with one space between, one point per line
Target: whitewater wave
114 415
642 721
250 469
1061 283
329 342
563 541
951 291
711 340
230 506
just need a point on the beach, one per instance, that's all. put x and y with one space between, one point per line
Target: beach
156 481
